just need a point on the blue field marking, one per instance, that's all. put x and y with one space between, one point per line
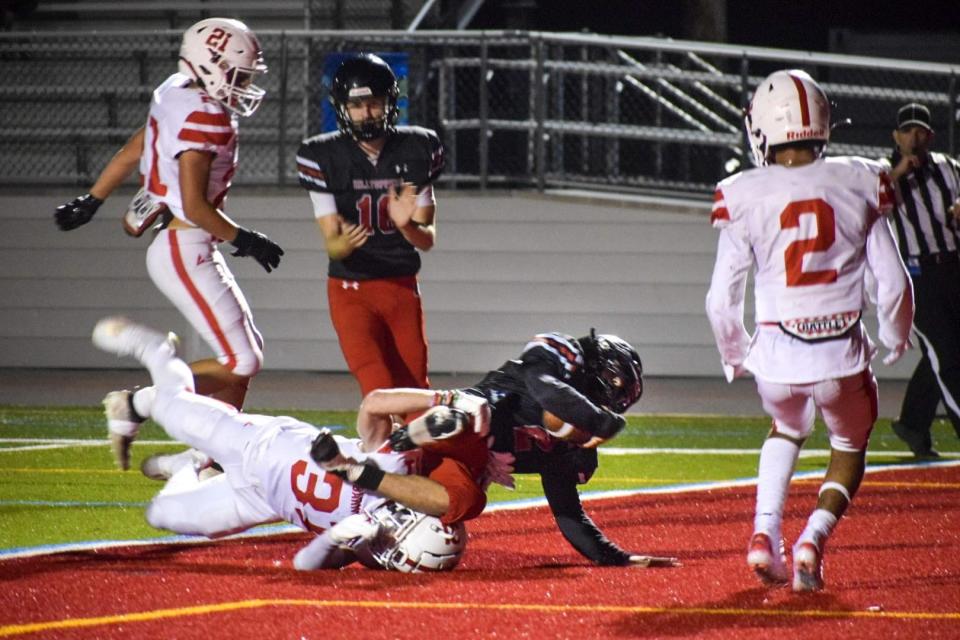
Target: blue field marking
69 503
508 505
96 545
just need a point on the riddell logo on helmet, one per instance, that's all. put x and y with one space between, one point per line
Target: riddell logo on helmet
804 134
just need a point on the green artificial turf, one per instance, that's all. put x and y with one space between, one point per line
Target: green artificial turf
73 493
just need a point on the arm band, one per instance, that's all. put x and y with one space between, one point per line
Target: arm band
370 478
564 431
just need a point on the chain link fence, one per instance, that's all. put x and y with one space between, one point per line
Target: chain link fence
515 109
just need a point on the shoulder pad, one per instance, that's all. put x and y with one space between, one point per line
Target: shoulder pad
561 347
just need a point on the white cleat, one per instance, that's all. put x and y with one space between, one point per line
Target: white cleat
770 566
162 466
123 424
807 567
124 337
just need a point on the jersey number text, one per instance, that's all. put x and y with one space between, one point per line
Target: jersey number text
365 210
218 39
308 494
826 234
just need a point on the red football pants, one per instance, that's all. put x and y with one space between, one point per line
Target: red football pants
381 330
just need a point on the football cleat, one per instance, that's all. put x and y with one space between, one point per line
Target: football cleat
123 423
124 337
770 567
162 466
807 567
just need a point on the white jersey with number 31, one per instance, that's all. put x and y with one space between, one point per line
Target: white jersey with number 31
295 487
809 232
184 118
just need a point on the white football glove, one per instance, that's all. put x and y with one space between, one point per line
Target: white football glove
479 411
354 530
733 371
896 353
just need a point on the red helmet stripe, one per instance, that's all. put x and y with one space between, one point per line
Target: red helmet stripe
804 106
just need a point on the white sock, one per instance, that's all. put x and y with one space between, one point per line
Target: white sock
819 527
778 457
171 373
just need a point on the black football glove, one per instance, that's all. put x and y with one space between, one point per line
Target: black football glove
610 424
324 451
259 247
324 448
77 212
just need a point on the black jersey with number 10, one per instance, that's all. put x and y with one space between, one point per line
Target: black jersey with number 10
334 163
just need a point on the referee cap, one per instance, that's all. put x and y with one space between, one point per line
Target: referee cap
914 114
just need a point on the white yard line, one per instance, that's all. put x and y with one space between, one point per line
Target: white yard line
526 503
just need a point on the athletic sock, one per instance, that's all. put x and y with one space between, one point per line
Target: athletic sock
819 527
778 457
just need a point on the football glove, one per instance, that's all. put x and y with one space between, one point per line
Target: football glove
610 424
324 448
257 246
896 353
326 453
354 530
438 423
77 212
478 408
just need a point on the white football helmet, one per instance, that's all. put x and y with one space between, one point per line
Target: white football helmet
788 106
224 57
412 542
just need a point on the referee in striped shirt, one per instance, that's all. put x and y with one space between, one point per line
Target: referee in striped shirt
927 227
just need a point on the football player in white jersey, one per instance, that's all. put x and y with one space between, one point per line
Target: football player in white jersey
187 156
808 226
269 472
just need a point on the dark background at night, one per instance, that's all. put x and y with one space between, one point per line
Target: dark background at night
924 30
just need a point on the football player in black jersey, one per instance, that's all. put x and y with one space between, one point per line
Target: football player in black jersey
588 383
550 408
371 187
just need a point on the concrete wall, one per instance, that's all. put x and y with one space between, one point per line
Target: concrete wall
506 266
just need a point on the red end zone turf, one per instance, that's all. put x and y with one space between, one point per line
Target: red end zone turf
892 570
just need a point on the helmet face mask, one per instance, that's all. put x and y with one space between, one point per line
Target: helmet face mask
614 370
787 107
412 542
224 57
356 81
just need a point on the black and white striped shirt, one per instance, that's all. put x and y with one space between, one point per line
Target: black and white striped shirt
922 218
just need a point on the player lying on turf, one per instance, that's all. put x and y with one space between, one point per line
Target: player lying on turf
549 409
268 474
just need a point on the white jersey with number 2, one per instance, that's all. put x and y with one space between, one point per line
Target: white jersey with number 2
809 233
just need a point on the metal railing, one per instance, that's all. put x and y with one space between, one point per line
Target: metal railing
515 109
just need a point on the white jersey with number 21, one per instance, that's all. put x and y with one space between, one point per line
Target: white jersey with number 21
184 118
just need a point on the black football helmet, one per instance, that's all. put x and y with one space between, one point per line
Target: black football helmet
613 369
359 77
